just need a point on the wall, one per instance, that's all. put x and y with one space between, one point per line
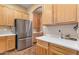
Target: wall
65 29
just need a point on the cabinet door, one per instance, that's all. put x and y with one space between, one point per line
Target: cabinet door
41 50
2 44
54 52
18 14
47 14
60 50
78 53
10 42
65 13
9 16
25 16
41 47
2 21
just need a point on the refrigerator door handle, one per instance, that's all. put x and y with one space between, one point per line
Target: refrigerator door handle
29 29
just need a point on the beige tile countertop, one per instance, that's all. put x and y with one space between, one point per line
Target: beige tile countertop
62 42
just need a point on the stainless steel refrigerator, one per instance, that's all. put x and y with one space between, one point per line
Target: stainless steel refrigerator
23 30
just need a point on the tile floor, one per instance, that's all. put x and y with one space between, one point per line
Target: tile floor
28 51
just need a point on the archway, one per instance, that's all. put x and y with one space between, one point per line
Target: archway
37 13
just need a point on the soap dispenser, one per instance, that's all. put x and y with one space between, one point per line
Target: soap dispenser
60 34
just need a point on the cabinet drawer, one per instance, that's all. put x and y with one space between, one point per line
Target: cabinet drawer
43 43
62 49
10 37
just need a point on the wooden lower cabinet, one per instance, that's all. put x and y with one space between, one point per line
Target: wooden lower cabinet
10 42
60 50
41 47
46 48
3 43
54 52
78 53
7 43
41 50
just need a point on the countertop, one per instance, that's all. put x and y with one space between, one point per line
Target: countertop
62 42
7 34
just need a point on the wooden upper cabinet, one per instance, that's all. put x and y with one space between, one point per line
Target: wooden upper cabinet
60 50
2 21
65 13
25 16
18 14
9 16
47 14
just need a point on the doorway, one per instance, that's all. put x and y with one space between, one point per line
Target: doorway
37 14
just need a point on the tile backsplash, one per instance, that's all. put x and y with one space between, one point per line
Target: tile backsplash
7 30
78 31
65 29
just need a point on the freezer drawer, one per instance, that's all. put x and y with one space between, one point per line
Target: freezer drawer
21 44
28 42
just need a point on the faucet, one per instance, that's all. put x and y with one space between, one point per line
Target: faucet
68 35
75 27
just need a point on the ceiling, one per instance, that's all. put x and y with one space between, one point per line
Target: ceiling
25 5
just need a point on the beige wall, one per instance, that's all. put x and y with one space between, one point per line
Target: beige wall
30 10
